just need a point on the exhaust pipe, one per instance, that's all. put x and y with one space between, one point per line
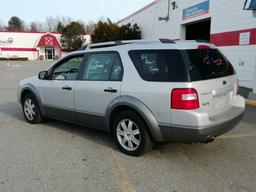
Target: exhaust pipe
209 139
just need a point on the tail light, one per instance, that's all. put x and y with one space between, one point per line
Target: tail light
185 99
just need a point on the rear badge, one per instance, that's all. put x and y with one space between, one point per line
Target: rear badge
206 104
224 82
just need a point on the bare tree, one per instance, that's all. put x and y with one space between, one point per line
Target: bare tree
41 26
26 26
2 25
54 24
37 26
65 20
51 24
90 27
33 27
103 19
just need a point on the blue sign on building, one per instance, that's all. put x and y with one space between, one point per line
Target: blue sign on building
250 5
196 10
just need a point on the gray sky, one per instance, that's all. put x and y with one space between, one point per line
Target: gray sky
38 10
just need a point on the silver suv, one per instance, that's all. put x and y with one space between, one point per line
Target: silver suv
140 91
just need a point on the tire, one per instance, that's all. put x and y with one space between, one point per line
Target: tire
31 109
130 134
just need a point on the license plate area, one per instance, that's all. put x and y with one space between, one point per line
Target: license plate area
221 100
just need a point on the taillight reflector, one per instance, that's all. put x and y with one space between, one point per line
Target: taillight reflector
185 99
237 87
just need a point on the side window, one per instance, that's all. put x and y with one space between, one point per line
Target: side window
150 63
117 70
103 67
68 70
160 65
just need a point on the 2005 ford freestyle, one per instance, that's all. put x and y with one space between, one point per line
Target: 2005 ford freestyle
140 91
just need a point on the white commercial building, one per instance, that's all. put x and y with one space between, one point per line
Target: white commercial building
229 24
32 45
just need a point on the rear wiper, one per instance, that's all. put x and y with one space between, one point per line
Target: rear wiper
218 74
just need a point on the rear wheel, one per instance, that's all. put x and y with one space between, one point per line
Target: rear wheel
130 134
31 109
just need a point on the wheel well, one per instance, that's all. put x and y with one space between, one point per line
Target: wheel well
122 108
25 92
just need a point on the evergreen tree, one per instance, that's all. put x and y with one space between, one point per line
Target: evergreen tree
72 36
15 24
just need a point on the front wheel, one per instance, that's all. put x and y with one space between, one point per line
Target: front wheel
130 134
31 109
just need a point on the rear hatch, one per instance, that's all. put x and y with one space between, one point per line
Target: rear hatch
213 76
172 79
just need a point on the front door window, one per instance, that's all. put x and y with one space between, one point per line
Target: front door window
49 53
67 69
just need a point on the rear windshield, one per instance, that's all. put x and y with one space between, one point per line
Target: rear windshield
160 65
208 64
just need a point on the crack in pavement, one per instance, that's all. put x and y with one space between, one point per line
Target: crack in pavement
119 172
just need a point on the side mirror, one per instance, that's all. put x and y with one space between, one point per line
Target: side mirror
42 75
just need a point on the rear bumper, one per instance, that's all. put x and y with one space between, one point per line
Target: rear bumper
199 134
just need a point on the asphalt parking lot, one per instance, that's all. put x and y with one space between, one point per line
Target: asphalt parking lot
61 157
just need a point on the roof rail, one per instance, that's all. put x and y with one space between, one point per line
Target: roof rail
202 41
116 43
83 47
105 44
166 41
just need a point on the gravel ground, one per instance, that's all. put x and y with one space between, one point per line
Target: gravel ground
56 156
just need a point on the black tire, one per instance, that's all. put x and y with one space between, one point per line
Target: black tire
37 117
145 143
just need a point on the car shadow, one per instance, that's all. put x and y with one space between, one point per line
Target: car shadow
13 110
250 115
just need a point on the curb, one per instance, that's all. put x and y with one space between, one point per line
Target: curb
250 102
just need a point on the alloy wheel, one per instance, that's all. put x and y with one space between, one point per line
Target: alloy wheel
128 134
29 109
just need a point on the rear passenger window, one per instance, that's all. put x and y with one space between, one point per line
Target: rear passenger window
103 67
160 65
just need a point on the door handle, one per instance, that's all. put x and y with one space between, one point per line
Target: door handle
110 90
67 88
